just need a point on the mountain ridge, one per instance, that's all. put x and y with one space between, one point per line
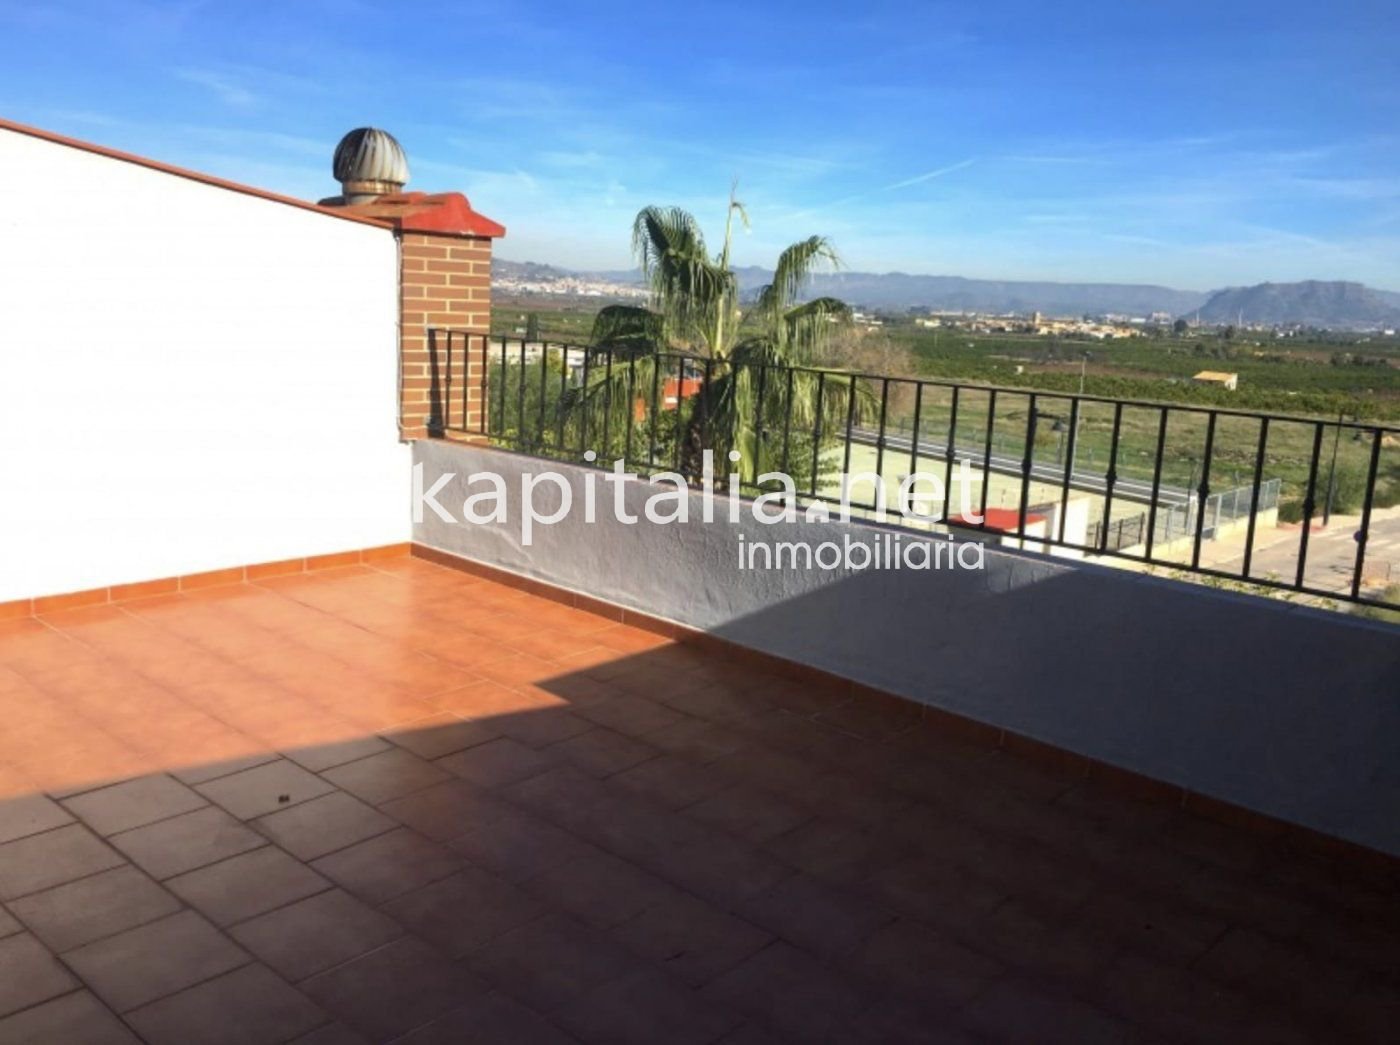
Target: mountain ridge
1322 303
1312 302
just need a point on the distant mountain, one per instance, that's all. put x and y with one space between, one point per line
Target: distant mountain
898 290
955 293
1337 305
527 270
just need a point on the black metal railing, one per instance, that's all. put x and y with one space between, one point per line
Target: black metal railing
1178 486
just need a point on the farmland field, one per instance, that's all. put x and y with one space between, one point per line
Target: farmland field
1310 380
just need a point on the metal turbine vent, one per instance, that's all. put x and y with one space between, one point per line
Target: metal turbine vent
368 163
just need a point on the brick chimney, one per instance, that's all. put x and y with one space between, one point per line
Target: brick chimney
444 278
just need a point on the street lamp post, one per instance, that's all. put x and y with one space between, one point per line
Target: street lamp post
1332 471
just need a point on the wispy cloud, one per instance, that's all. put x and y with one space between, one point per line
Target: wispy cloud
894 186
225 88
918 179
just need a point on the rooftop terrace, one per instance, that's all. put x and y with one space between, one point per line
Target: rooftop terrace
396 802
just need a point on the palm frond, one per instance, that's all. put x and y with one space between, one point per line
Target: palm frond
693 293
629 330
807 327
796 266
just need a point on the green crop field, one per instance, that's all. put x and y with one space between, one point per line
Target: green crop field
1320 379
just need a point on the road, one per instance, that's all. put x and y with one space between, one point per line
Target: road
1090 482
1331 552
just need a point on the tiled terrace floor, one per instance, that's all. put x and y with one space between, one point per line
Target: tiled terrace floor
400 803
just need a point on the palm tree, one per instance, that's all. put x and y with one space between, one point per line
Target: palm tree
694 321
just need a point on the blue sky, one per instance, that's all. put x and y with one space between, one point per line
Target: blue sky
1187 143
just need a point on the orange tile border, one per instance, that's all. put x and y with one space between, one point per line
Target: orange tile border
333 560
143 589
41 604
1035 752
274 569
195 581
387 551
71 600
17 609
1126 783
1047 756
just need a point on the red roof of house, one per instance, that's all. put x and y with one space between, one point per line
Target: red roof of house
183 172
447 212
1002 520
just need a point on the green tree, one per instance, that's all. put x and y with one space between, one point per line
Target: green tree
532 327
738 353
1179 327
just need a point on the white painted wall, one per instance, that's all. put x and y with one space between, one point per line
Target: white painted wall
190 377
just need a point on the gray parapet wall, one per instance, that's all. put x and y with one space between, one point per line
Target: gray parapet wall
1285 710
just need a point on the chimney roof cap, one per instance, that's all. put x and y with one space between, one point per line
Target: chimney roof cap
369 161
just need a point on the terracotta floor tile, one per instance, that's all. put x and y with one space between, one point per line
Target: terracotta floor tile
94 762
581 960
183 843
490 1018
90 908
600 889
332 1034
791 993
440 734
42 861
1292 975
385 711
326 756
154 960
28 814
634 716
516 668
823 919
497 763
447 810
265 789
689 939
924 964
246 885
324 825
394 989
733 841
559 793
206 771
701 742
75 1017
672 781
543 727
389 865
133 804
936 891
464 912
315 934
1015 1009
29 974
1152 925
519 845
602 752
489 698
647 1007
243 1007
749 812
393 773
